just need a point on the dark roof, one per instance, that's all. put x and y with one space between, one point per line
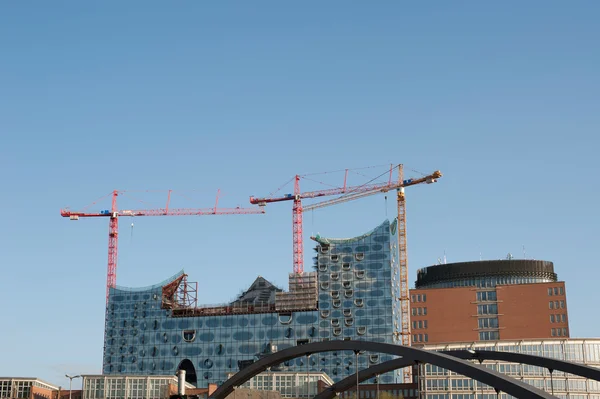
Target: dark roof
260 291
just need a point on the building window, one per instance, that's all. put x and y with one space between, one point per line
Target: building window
359 256
491 308
564 317
424 323
484 296
551 305
550 291
555 290
335 258
487 322
414 311
420 323
424 311
562 304
562 291
553 332
358 302
552 318
489 335
412 298
426 336
414 325
346 266
189 335
564 331
424 297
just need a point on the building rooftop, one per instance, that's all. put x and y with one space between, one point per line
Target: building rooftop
539 269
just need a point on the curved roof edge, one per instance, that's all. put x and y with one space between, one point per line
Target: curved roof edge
151 287
327 241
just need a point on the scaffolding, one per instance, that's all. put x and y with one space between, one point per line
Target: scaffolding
302 295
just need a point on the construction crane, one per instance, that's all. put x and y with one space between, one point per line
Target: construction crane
352 193
113 230
402 250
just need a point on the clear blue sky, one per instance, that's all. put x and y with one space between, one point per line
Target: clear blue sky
503 97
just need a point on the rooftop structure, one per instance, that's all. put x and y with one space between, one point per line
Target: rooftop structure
487 273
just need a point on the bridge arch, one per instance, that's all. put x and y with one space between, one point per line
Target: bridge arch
551 364
493 378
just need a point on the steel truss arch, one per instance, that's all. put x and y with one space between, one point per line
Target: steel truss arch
493 378
551 364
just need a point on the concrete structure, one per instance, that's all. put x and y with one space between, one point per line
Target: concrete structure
487 301
352 294
438 383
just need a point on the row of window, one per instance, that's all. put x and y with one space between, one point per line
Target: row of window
418 298
557 304
420 337
358 256
419 311
419 324
359 274
486 296
558 318
559 332
556 291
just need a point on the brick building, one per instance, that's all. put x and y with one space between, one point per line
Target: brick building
488 301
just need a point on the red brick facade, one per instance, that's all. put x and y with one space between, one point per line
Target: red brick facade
524 311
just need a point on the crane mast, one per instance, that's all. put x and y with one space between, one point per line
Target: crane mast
403 263
113 226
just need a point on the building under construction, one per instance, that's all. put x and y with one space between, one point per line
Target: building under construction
352 293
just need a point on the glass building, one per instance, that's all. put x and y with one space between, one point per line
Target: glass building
439 383
350 295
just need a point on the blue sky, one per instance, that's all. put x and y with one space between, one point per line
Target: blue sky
502 97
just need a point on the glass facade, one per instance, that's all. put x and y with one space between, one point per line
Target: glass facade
358 285
439 383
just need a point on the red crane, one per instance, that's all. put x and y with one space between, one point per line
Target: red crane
353 192
114 214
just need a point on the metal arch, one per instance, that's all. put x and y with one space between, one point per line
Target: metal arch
532 360
551 364
363 375
490 377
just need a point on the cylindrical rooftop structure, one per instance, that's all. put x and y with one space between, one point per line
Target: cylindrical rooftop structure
488 273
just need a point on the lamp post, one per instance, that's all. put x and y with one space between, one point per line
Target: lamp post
71 382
